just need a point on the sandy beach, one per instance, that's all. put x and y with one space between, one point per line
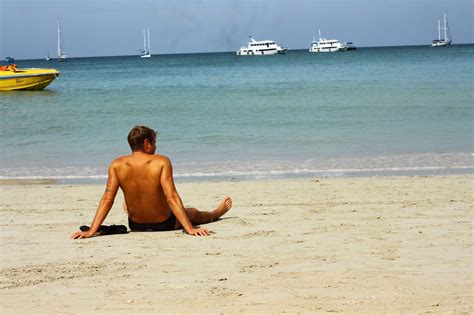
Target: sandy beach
342 245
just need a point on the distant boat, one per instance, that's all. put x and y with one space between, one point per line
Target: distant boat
61 54
48 58
350 46
9 60
446 41
146 52
12 78
328 45
261 48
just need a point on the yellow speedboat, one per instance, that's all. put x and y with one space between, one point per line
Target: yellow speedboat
13 78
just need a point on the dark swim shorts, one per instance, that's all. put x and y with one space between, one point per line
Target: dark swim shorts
167 225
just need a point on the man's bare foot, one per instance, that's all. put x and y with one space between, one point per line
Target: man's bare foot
222 208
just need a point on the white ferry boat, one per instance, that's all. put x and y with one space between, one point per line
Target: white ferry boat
260 48
327 45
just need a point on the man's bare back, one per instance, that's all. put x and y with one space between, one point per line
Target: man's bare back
139 177
147 182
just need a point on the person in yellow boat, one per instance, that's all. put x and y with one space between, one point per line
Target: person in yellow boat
11 67
152 201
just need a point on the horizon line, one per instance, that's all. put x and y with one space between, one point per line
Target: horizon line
220 52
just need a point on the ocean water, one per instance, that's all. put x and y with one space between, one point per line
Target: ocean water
374 111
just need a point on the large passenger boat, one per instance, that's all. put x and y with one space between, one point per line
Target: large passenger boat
261 48
13 78
328 45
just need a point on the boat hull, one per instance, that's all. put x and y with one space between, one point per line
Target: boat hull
27 79
440 43
328 49
324 50
262 53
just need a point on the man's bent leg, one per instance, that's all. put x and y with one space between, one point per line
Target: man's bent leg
200 217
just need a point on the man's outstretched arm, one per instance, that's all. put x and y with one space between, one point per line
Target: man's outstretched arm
106 203
175 202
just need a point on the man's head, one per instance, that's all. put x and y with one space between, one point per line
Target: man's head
140 137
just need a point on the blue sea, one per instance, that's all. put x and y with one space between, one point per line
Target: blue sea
369 112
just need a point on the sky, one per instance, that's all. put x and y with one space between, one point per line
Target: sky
28 28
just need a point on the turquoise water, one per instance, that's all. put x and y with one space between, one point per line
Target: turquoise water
374 111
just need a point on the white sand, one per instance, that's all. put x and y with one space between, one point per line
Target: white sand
357 245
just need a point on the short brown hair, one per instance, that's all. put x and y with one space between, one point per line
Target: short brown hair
137 137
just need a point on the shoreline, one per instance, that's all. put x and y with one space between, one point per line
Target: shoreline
416 164
350 245
303 175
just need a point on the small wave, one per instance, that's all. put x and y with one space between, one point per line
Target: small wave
61 177
415 164
273 173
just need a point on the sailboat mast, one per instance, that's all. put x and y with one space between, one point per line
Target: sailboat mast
59 40
445 29
439 31
144 41
449 32
149 45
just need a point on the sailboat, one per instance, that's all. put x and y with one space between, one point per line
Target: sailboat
61 54
447 35
146 52
48 58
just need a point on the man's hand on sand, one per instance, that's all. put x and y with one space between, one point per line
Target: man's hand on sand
80 234
199 232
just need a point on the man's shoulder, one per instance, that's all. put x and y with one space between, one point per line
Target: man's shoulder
160 160
120 160
129 159
160 157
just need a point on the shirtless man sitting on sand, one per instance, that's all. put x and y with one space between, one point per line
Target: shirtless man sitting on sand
152 202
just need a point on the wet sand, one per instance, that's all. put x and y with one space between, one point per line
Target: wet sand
350 245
